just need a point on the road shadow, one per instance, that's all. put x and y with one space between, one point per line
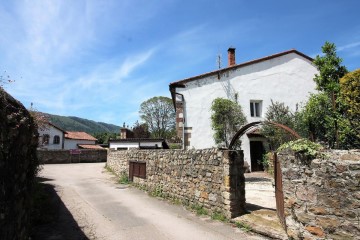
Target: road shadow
51 220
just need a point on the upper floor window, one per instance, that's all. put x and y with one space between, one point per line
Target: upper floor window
255 108
45 139
56 139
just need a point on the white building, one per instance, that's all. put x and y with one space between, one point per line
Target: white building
128 141
138 143
76 140
51 137
284 77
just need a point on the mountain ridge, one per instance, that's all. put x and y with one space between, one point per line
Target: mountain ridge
73 123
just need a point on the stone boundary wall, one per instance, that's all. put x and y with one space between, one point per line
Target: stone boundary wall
322 196
211 178
64 156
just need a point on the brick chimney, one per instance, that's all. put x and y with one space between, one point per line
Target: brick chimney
231 56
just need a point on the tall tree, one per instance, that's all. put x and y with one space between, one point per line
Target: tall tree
141 130
328 80
159 115
226 119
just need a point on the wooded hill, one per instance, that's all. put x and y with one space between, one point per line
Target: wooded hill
82 125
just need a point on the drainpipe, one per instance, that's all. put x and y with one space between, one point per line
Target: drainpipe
183 126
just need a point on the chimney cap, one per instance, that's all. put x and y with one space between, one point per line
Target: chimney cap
231 49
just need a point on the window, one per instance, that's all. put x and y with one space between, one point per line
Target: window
255 108
56 139
45 139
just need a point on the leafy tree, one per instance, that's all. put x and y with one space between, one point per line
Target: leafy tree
226 119
279 113
350 96
104 137
141 130
328 82
159 115
41 120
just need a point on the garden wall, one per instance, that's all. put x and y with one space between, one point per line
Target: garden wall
65 156
211 178
18 168
322 196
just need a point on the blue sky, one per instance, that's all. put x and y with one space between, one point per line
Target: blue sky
100 59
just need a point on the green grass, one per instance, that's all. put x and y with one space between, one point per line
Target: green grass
200 210
219 217
243 226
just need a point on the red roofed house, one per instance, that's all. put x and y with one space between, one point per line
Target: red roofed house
75 140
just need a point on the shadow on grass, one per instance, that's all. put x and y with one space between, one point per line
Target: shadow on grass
50 217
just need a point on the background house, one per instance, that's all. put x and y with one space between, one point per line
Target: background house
127 141
51 137
284 77
75 140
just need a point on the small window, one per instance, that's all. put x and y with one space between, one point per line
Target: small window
45 139
56 139
255 108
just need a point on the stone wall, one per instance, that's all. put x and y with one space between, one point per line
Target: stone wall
18 167
322 196
64 156
211 178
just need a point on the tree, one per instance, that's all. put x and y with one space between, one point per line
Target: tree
279 113
226 119
104 137
328 81
141 130
159 115
41 120
350 96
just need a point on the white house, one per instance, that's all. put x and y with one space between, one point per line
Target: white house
128 141
284 77
76 140
139 143
51 137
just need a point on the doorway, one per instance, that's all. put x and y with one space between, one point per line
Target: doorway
257 151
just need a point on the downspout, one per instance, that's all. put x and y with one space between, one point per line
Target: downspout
173 92
183 125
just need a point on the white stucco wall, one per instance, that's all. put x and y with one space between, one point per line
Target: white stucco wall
52 132
72 143
288 79
115 145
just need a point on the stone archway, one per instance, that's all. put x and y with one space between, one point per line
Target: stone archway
248 126
278 198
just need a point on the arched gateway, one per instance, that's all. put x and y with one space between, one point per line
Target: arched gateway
277 169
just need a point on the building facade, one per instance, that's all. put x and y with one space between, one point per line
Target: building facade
284 77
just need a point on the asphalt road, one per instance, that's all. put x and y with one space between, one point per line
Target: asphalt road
104 209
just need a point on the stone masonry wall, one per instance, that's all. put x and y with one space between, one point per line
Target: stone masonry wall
210 178
64 156
322 196
18 167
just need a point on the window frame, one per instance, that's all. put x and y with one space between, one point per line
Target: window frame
56 139
256 108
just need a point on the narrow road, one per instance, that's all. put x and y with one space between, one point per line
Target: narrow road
106 210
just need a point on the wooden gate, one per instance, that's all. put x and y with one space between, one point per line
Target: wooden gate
279 195
137 169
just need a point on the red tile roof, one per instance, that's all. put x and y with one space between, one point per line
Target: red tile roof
89 146
79 136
